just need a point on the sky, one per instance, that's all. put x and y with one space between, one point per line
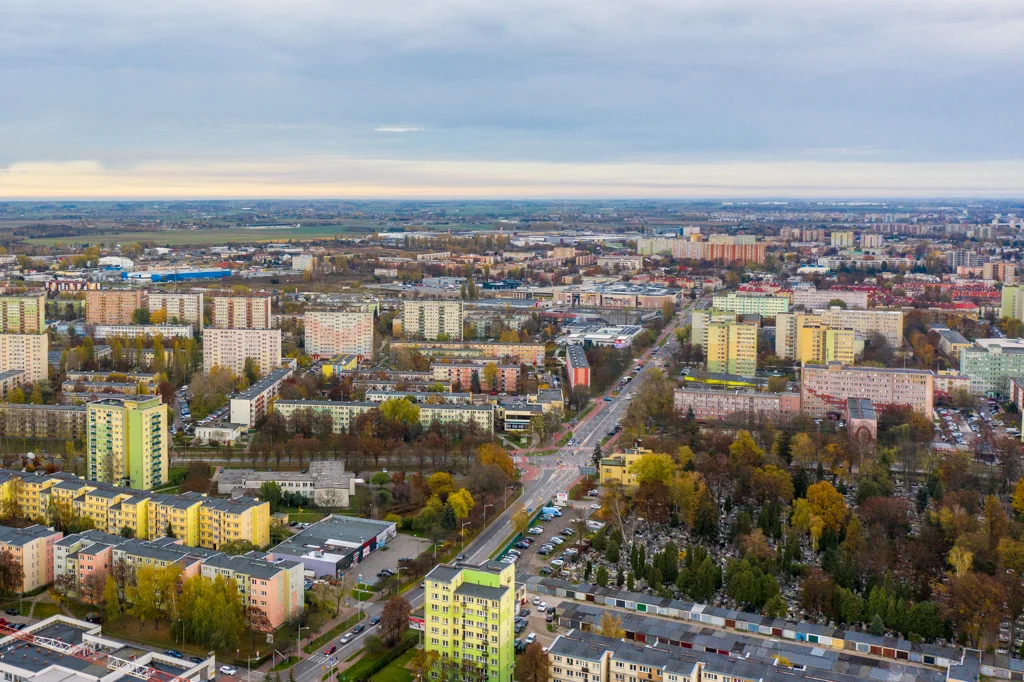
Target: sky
512 99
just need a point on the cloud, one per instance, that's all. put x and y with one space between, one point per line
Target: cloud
397 129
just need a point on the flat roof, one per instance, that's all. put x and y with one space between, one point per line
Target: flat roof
335 534
264 383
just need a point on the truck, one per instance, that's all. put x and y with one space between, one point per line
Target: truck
550 511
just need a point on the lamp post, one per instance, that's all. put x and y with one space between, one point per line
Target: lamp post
248 666
435 548
507 488
462 532
485 510
298 640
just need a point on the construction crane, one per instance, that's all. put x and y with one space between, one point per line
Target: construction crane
87 652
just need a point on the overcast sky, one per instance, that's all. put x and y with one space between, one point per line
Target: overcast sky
545 98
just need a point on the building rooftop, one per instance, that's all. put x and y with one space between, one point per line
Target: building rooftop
481 591
860 408
264 383
335 534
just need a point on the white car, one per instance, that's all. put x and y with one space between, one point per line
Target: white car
346 638
228 670
557 540
535 530
558 563
531 638
595 506
536 600
543 606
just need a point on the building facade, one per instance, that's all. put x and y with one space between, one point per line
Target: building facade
825 388
112 306
431 320
130 331
506 377
710 404
333 333
577 367
250 406
26 352
765 306
180 308
531 354
23 314
343 413
731 348
127 441
241 312
32 549
230 348
811 298
57 422
992 364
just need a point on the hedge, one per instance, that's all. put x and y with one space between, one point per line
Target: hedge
382 662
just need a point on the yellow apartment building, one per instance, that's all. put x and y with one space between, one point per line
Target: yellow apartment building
819 343
732 348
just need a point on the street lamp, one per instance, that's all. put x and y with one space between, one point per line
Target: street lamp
435 548
485 510
462 532
507 488
298 640
248 667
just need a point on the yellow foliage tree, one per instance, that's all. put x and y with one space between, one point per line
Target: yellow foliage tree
490 453
440 483
462 502
828 504
158 317
653 467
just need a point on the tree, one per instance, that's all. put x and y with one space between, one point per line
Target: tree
653 467
521 520
744 452
533 665
493 454
828 505
474 382
158 317
251 371
422 663
705 517
113 600
611 626
803 450
400 410
440 483
461 502
394 620
380 479
973 603
602 576
140 316
271 492
491 376
1018 494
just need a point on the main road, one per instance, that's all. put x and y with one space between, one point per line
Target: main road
552 477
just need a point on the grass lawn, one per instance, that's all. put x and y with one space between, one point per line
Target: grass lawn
44 610
214 236
396 670
284 665
365 663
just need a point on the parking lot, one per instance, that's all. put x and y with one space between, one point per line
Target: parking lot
535 558
402 546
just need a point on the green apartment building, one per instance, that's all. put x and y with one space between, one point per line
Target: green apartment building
991 364
469 617
127 441
765 306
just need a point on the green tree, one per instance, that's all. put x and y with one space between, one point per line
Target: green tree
448 518
400 410
602 576
474 382
16 396
271 492
140 316
111 597
251 370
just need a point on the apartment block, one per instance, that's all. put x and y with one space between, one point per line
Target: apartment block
577 366
56 422
700 319
431 320
842 240
344 413
303 261
230 348
886 323
811 298
32 549
712 404
23 314
820 343
531 354
825 388
1000 270
273 587
732 348
992 364
10 380
26 352
127 441
871 240
731 252
180 308
241 518
148 331
250 406
333 333
469 614
241 312
506 377
112 306
766 306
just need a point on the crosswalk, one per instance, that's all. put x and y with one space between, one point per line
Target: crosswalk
251 675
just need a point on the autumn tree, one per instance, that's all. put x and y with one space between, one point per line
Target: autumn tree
611 626
653 467
12 576
533 665
394 620
973 602
493 454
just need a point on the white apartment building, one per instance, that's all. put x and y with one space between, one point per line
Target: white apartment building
331 333
27 352
106 331
303 261
250 406
180 308
810 297
430 319
241 312
231 347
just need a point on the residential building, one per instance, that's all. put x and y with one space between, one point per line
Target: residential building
332 333
342 363
220 433
871 240
886 323
67 559
469 614
130 331
617 295
621 263
531 354
235 520
991 364
9 380
127 441
273 587
951 342
250 406
32 549
175 516
112 306
431 320
343 413
330 546
182 308
811 298
842 240
710 404
765 306
230 348
577 367
699 320
617 467
1012 302
825 388
427 397
303 261
54 422
23 314
461 372
819 343
324 483
732 251
27 352
732 348
242 312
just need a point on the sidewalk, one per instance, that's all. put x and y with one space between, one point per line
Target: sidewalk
288 648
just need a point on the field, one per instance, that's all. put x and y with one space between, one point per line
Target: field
192 237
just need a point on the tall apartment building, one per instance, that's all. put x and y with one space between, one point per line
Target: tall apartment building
577 366
469 615
331 333
303 261
241 312
112 306
431 319
127 441
23 314
1000 270
871 240
700 319
766 306
735 250
231 347
506 377
992 364
250 406
807 339
180 308
842 240
32 549
966 258
825 388
27 352
1012 304
886 323
732 348
709 404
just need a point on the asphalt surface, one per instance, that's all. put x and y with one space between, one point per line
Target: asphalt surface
536 492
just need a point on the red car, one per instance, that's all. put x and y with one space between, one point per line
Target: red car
330 650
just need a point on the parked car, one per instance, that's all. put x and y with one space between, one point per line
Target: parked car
228 670
531 638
